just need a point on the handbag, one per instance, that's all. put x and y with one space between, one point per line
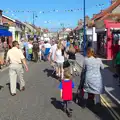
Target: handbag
66 64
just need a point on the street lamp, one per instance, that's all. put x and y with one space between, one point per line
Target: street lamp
84 29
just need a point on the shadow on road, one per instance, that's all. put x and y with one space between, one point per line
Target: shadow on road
50 73
57 104
98 109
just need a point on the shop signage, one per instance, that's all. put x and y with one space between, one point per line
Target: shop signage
3 27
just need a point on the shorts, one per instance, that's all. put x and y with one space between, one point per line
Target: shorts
60 65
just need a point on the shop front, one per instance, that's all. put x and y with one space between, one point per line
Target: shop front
108 39
5 42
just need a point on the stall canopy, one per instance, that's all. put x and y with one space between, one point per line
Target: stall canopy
4 32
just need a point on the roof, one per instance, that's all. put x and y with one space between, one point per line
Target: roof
108 10
111 16
8 18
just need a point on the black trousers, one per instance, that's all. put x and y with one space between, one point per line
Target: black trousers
35 56
67 105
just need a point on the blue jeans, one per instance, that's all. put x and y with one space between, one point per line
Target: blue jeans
30 57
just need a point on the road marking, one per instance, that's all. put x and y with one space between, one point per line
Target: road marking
113 96
110 109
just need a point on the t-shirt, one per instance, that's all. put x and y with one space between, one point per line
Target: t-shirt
117 60
15 56
47 45
53 50
66 87
59 57
30 46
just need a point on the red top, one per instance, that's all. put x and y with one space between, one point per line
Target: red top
67 90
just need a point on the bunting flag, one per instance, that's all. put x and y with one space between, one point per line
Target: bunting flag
51 11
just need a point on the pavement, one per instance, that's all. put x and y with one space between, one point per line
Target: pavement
41 99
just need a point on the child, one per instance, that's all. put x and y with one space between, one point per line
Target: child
66 86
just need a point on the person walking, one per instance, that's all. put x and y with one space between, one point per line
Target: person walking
35 51
71 56
93 78
16 58
66 87
59 58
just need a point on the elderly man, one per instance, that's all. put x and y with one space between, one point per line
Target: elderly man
15 57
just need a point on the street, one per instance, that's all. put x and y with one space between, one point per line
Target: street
41 99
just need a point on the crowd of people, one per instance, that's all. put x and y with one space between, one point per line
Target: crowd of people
61 55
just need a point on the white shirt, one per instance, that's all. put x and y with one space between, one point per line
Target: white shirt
53 50
47 45
15 56
30 46
59 57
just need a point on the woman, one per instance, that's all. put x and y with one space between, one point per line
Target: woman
59 58
71 56
93 78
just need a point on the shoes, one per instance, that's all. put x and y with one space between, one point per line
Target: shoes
69 114
23 89
13 94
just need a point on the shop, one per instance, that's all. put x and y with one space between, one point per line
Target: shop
5 42
108 39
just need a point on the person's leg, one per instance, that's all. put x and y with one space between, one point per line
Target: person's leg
40 56
61 70
58 70
97 99
20 72
13 79
71 66
85 99
69 108
65 106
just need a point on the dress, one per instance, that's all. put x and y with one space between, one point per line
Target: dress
93 79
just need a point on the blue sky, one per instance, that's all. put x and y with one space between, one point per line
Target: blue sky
69 19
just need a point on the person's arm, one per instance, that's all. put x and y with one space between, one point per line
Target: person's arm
61 93
25 64
24 61
101 64
7 58
60 87
55 56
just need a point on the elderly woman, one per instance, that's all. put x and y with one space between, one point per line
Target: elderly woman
93 78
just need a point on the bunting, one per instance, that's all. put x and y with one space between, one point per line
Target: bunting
51 11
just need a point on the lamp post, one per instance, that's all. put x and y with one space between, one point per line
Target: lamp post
84 33
33 24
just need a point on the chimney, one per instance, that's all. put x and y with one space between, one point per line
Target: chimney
112 1
1 17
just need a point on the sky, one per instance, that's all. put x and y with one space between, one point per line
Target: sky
69 19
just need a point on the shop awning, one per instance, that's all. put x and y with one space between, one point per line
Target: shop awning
4 32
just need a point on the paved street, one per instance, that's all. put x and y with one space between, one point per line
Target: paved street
37 102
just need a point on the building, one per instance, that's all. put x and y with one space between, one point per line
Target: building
15 26
107 24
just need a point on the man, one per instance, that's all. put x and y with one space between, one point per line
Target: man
47 47
15 57
35 50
